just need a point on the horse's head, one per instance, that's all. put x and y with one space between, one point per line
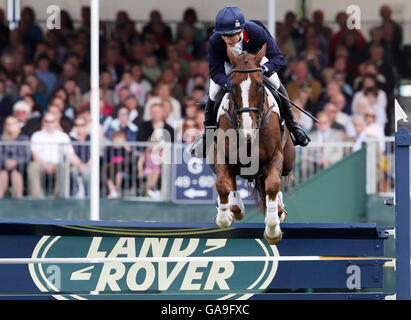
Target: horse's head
248 94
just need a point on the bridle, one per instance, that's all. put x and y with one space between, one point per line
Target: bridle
259 109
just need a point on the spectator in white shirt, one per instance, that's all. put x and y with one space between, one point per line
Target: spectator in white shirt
359 126
48 147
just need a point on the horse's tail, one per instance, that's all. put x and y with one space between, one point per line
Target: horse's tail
259 193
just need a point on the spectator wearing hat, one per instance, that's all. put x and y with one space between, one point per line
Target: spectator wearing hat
28 121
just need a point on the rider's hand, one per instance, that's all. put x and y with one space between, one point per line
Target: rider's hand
228 86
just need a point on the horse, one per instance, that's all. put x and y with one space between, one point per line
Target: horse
275 156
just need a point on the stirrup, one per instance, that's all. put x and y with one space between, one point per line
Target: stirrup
303 140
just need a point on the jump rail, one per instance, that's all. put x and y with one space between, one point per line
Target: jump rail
123 260
349 258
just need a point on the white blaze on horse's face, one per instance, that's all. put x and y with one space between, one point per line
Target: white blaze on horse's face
247 122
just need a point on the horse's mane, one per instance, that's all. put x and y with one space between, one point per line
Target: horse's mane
245 55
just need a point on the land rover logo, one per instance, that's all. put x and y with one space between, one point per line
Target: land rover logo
70 281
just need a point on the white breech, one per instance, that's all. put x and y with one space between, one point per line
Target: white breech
214 87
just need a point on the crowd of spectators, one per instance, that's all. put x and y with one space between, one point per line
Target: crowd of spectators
156 78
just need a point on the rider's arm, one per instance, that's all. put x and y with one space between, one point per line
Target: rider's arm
275 58
216 53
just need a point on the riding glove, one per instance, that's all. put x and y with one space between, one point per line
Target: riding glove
228 86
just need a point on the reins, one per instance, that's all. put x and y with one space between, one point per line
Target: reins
259 109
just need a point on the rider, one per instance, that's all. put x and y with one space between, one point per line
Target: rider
231 29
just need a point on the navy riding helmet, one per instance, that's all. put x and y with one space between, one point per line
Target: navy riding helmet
229 20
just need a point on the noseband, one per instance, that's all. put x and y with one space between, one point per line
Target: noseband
259 110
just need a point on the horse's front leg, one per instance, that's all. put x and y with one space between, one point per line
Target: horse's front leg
272 232
235 201
224 186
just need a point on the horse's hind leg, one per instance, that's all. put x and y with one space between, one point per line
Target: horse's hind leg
224 186
235 201
272 232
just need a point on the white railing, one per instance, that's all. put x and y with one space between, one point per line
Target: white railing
318 156
65 180
131 175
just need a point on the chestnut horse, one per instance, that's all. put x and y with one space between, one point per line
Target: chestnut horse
256 126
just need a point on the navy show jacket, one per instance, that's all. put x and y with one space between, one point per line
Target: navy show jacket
254 37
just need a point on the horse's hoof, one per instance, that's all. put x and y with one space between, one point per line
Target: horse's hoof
282 214
237 213
275 240
224 225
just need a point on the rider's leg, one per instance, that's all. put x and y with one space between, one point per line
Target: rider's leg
300 137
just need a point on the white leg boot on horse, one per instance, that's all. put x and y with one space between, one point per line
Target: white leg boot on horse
272 232
224 218
236 205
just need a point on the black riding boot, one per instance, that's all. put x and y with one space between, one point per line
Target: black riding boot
299 135
209 129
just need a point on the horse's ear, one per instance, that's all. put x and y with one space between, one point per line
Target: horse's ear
261 53
231 55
